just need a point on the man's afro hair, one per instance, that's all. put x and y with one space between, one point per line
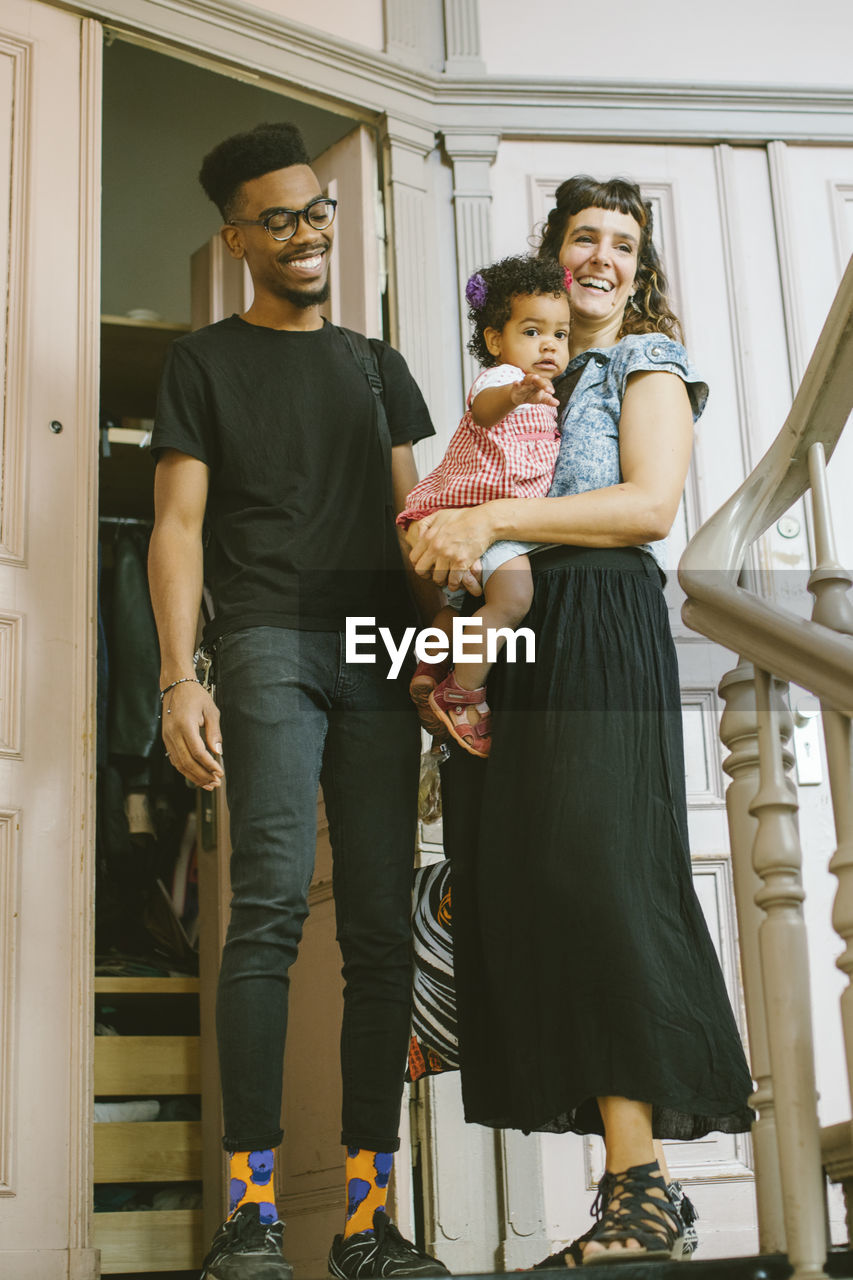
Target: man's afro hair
493 289
249 155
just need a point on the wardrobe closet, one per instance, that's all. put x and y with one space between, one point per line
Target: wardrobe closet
148 1091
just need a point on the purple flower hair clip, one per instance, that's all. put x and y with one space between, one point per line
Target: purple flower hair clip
476 292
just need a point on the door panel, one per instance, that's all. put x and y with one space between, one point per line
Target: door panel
49 170
348 173
814 185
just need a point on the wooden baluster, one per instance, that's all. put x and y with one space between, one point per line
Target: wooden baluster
777 859
739 733
830 584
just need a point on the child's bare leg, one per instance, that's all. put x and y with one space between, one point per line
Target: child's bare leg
508 596
460 700
427 676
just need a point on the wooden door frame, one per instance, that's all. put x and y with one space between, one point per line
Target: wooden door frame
83 677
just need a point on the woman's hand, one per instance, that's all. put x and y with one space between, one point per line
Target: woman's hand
446 545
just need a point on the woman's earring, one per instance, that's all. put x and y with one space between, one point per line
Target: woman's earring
635 304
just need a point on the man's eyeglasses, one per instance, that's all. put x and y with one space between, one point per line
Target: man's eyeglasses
281 224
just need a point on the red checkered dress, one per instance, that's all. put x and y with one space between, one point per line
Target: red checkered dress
513 459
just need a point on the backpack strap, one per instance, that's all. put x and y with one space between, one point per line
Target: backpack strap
364 355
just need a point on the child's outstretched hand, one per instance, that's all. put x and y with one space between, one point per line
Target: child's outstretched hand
492 404
533 389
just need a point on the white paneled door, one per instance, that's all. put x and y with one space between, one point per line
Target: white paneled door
734 226
49 170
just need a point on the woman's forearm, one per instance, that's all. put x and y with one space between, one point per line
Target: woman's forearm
448 542
621 515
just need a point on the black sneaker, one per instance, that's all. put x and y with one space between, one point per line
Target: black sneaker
380 1252
244 1248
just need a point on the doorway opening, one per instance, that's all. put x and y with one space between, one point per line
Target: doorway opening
154 1195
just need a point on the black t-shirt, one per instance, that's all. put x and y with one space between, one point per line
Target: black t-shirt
299 531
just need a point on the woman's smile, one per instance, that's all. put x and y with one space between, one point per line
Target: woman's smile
600 249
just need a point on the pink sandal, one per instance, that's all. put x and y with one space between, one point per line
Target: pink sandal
427 676
450 702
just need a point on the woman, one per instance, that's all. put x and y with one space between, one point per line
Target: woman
590 996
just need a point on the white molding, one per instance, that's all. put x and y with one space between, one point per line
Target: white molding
789 254
14 402
522 1222
713 796
337 74
9 1040
11 684
83 689
406 146
733 275
403 32
788 251
462 38
472 156
841 194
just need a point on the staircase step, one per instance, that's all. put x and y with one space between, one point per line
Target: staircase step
836 1144
772 1266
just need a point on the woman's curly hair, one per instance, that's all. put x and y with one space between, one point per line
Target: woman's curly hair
650 311
491 290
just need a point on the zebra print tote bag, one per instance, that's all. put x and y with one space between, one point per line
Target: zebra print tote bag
434 1046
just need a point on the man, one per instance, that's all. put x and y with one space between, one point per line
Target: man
268 439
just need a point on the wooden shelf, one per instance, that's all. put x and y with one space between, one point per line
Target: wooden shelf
146 1066
182 984
133 353
130 322
148 1151
151 1153
165 1240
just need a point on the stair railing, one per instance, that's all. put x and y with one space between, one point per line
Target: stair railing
776 646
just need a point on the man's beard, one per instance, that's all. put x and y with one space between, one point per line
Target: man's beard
306 298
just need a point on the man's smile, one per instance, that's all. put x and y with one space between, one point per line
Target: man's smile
307 262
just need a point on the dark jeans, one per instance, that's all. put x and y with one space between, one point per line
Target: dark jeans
295 714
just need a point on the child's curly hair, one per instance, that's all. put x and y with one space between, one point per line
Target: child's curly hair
491 290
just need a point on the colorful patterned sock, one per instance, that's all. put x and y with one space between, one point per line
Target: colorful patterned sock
368 1174
252 1182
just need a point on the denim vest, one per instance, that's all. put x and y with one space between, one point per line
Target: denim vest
589 449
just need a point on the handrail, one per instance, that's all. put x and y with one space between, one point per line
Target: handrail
804 652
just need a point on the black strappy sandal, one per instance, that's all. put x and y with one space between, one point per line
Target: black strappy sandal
572 1254
633 1213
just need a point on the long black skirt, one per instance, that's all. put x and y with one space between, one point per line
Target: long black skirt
584 966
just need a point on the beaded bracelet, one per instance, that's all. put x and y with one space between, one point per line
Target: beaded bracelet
174 685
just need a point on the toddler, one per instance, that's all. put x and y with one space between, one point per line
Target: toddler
505 447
